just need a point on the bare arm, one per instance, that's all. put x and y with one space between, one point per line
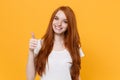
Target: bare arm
30 67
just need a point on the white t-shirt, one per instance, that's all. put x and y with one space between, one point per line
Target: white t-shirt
58 66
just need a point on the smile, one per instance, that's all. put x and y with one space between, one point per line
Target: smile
58 27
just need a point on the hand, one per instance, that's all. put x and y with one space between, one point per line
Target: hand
33 42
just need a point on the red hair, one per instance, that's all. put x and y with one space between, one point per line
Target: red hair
71 42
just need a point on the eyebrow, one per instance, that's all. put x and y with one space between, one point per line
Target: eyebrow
58 17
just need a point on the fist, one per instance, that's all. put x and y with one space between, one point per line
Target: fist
32 42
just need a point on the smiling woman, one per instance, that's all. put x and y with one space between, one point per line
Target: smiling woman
57 55
60 22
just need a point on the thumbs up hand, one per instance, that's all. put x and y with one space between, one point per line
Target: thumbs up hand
33 42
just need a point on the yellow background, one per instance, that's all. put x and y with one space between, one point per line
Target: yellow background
99 29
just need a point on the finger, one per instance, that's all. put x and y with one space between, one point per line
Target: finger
33 41
33 45
33 35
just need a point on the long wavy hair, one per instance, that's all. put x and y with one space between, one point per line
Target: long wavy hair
71 42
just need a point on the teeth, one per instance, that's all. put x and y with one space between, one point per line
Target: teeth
58 28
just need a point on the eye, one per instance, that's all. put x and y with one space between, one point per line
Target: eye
65 21
56 18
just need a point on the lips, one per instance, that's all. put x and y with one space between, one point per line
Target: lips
59 28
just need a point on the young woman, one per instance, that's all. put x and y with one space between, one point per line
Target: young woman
57 55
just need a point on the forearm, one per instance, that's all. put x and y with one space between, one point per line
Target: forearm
30 66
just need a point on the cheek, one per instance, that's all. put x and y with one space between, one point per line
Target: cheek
54 22
65 25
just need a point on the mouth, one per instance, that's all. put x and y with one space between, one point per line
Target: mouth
59 28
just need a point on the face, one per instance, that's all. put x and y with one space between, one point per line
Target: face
60 23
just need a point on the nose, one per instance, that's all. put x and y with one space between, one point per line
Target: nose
59 23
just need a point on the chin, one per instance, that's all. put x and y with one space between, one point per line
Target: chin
58 33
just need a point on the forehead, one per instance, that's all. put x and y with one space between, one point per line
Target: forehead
61 14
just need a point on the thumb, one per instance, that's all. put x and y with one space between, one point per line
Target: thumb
33 35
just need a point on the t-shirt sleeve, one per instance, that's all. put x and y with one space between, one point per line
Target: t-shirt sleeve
38 47
81 52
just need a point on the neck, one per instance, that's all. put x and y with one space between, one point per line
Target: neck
58 38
